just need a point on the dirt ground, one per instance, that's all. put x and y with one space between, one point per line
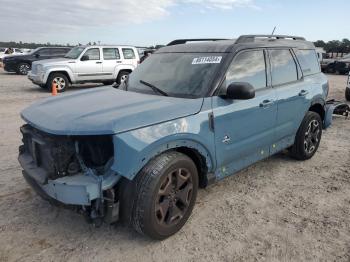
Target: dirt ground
276 210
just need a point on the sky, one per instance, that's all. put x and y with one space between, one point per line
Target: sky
149 22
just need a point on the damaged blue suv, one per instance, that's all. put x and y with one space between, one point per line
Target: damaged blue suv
190 115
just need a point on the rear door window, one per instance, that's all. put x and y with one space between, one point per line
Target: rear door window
308 61
249 67
284 68
128 53
111 54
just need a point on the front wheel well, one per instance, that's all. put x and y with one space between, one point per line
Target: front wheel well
199 161
318 108
60 72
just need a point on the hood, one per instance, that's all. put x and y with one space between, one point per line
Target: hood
54 61
105 111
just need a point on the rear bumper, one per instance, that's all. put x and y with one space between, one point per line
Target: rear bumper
337 108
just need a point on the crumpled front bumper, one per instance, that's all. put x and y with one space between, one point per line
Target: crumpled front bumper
70 190
80 189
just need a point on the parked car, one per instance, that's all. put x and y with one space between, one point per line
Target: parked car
339 67
97 64
5 52
347 89
189 115
21 64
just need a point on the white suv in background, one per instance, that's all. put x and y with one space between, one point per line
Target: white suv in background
97 64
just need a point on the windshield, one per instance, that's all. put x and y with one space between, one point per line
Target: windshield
186 75
75 52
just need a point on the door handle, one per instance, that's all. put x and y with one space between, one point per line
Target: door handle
303 93
118 62
98 62
266 103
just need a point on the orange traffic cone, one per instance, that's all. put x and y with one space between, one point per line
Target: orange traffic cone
54 89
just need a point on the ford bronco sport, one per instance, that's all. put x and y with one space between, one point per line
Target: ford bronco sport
97 64
189 115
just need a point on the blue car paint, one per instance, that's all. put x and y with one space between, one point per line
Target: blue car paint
144 126
191 132
249 127
120 111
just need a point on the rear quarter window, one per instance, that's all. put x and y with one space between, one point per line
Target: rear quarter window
111 54
308 61
128 53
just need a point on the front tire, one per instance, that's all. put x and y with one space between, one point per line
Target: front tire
23 68
166 191
308 137
347 94
60 81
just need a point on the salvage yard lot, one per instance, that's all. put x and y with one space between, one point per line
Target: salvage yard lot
278 209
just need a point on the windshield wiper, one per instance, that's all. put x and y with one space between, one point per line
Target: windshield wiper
154 88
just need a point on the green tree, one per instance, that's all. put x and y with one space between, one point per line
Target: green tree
320 43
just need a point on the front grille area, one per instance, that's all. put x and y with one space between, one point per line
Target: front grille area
52 153
57 154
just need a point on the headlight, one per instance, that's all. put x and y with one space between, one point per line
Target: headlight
39 68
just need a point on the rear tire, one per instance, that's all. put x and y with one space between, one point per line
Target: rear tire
308 137
347 94
59 80
122 76
166 191
23 68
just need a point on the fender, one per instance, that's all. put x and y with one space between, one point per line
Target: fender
318 100
134 149
119 68
59 68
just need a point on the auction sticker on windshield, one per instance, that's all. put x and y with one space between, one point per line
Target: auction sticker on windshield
207 60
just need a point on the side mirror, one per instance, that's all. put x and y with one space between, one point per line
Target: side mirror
37 55
240 90
85 58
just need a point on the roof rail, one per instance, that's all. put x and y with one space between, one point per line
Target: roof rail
251 38
184 41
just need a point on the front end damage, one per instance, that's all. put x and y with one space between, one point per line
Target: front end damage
73 171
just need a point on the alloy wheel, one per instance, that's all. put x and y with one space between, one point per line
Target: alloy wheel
123 78
59 83
312 139
174 197
23 69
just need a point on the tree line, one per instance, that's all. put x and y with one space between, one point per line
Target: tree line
335 46
21 44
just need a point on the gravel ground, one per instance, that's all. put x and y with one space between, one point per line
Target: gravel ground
276 210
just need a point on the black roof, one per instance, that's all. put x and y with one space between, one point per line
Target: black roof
228 46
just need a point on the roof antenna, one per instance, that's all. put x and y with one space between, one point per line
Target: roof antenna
273 31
